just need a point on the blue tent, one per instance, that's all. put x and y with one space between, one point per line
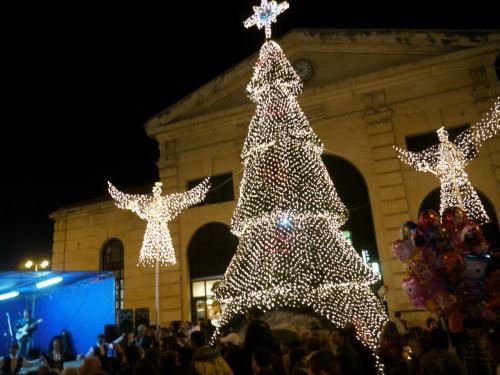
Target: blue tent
81 303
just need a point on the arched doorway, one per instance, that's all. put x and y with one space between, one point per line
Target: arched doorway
432 200
352 190
209 253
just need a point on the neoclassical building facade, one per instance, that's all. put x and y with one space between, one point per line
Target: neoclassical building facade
364 91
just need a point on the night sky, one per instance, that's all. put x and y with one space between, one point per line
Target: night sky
79 84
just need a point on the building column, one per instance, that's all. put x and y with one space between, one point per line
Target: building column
392 194
174 280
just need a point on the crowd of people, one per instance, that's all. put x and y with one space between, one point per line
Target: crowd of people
182 349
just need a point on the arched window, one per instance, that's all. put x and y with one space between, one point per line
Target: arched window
491 232
112 259
352 190
209 253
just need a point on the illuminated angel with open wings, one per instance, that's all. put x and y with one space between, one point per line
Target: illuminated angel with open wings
158 210
447 160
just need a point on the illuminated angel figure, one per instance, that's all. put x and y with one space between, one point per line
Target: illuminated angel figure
447 160
158 210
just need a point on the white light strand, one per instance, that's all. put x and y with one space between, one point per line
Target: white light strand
447 160
291 253
158 210
265 14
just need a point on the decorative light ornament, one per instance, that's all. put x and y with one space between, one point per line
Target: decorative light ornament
158 210
291 253
265 14
447 160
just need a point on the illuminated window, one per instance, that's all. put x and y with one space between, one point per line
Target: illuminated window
209 253
203 303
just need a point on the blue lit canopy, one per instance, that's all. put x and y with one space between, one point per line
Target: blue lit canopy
25 281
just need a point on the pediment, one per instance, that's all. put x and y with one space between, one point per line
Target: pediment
335 55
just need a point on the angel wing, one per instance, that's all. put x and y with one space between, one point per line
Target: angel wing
423 161
178 201
470 140
133 202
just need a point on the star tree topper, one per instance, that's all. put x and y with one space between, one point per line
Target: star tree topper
447 160
265 14
158 210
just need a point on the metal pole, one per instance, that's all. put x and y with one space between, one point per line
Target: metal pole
157 291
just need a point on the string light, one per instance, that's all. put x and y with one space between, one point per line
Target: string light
291 252
447 160
265 14
158 210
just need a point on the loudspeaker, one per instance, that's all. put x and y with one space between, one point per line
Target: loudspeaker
142 316
111 332
126 321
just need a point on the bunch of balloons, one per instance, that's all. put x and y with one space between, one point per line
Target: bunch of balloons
449 267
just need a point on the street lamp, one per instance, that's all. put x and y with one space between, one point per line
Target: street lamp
43 264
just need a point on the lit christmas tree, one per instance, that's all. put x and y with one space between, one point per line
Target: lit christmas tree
447 160
291 253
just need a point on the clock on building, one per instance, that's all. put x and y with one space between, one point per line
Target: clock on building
304 69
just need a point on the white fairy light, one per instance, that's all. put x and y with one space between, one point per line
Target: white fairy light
447 160
265 14
291 252
158 210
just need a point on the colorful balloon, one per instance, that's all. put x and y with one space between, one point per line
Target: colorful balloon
407 230
471 235
475 266
428 217
453 217
403 250
415 290
421 269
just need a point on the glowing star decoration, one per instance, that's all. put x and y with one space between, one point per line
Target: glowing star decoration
158 210
265 14
291 252
447 160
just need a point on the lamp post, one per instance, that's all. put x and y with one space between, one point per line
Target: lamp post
43 264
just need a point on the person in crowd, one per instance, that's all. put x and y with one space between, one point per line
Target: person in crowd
400 324
56 356
90 365
430 324
297 361
261 362
24 332
342 349
70 371
366 358
12 363
258 333
143 367
184 364
131 355
233 354
207 361
143 340
323 362
100 349
391 349
439 360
